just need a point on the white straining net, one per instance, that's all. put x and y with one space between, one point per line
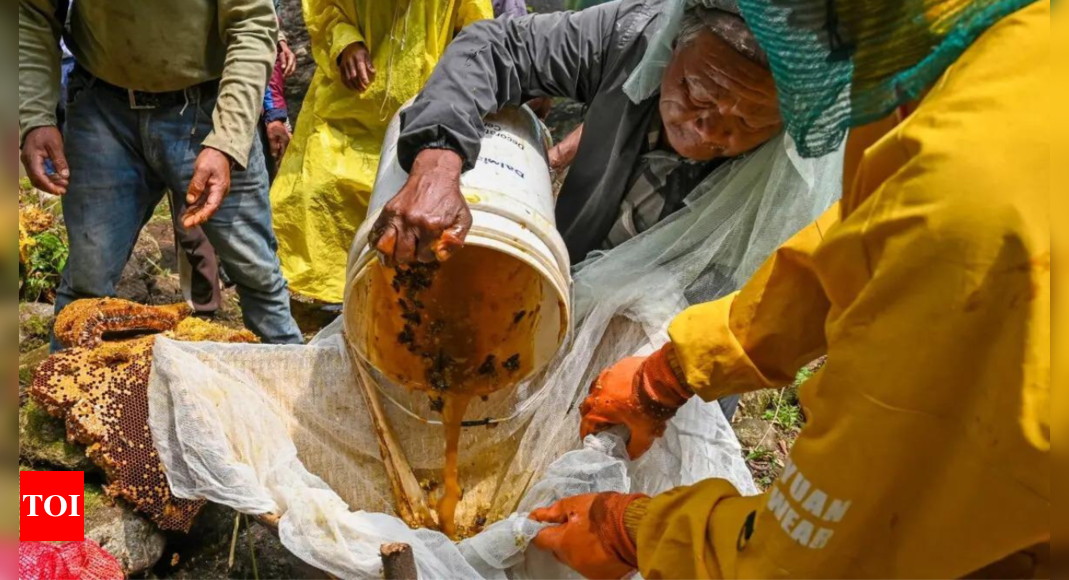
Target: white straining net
283 430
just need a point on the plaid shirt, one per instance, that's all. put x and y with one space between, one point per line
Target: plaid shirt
660 183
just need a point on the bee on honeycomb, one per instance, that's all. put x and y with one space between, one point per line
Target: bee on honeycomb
99 385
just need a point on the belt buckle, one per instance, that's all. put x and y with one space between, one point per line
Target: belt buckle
142 103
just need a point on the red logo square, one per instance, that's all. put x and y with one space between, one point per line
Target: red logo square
52 506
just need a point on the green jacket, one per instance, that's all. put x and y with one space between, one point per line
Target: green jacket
158 46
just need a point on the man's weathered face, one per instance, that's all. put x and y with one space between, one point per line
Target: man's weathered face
715 102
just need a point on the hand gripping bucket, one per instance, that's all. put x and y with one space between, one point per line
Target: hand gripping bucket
514 269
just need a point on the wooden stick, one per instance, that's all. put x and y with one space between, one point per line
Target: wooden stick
398 562
407 493
269 520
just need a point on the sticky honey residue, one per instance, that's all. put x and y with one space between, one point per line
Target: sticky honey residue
455 331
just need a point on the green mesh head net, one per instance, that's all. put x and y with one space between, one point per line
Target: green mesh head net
843 63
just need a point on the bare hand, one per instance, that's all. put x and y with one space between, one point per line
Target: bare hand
357 70
43 144
428 219
541 106
289 60
278 136
562 154
208 187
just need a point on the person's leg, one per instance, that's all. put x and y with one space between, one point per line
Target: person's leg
729 405
241 231
265 145
193 246
112 192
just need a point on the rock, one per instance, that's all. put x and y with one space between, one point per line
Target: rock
35 324
162 232
166 289
751 431
28 364
137 282
754 404
29 311
43 441
135 542
312 316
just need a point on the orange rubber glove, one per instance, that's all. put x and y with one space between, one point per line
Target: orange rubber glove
591 538
641 393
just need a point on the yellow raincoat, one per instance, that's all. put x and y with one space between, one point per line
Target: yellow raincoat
927 451
321 194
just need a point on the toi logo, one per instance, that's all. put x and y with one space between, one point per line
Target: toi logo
52 506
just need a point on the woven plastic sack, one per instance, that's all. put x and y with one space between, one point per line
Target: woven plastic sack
283 430
72 561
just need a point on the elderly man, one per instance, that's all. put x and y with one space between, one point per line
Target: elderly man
635 162
166 96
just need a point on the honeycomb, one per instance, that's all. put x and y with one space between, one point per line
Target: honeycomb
85 323
100 387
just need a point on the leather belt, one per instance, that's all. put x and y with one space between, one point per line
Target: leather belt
143 101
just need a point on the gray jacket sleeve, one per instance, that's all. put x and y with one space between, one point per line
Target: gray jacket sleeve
494 63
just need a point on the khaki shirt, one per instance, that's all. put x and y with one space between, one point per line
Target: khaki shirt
158 46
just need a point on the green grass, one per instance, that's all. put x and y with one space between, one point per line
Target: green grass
95 498
162 213
43 269
36 326
804 375
786 416
760 454
36 331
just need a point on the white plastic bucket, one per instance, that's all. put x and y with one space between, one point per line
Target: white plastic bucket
511 198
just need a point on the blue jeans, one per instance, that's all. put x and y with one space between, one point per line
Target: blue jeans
122 161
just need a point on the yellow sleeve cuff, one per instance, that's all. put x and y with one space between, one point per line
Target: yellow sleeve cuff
710 354
341 36
633 516
232 145
693 532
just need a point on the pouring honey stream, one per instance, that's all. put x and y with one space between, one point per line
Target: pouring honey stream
455 331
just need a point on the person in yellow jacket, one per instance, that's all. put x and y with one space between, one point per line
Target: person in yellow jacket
372 56
927 448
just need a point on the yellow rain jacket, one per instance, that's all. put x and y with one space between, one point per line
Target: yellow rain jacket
321 194
927 450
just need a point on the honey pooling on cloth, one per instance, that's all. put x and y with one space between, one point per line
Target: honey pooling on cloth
460 329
